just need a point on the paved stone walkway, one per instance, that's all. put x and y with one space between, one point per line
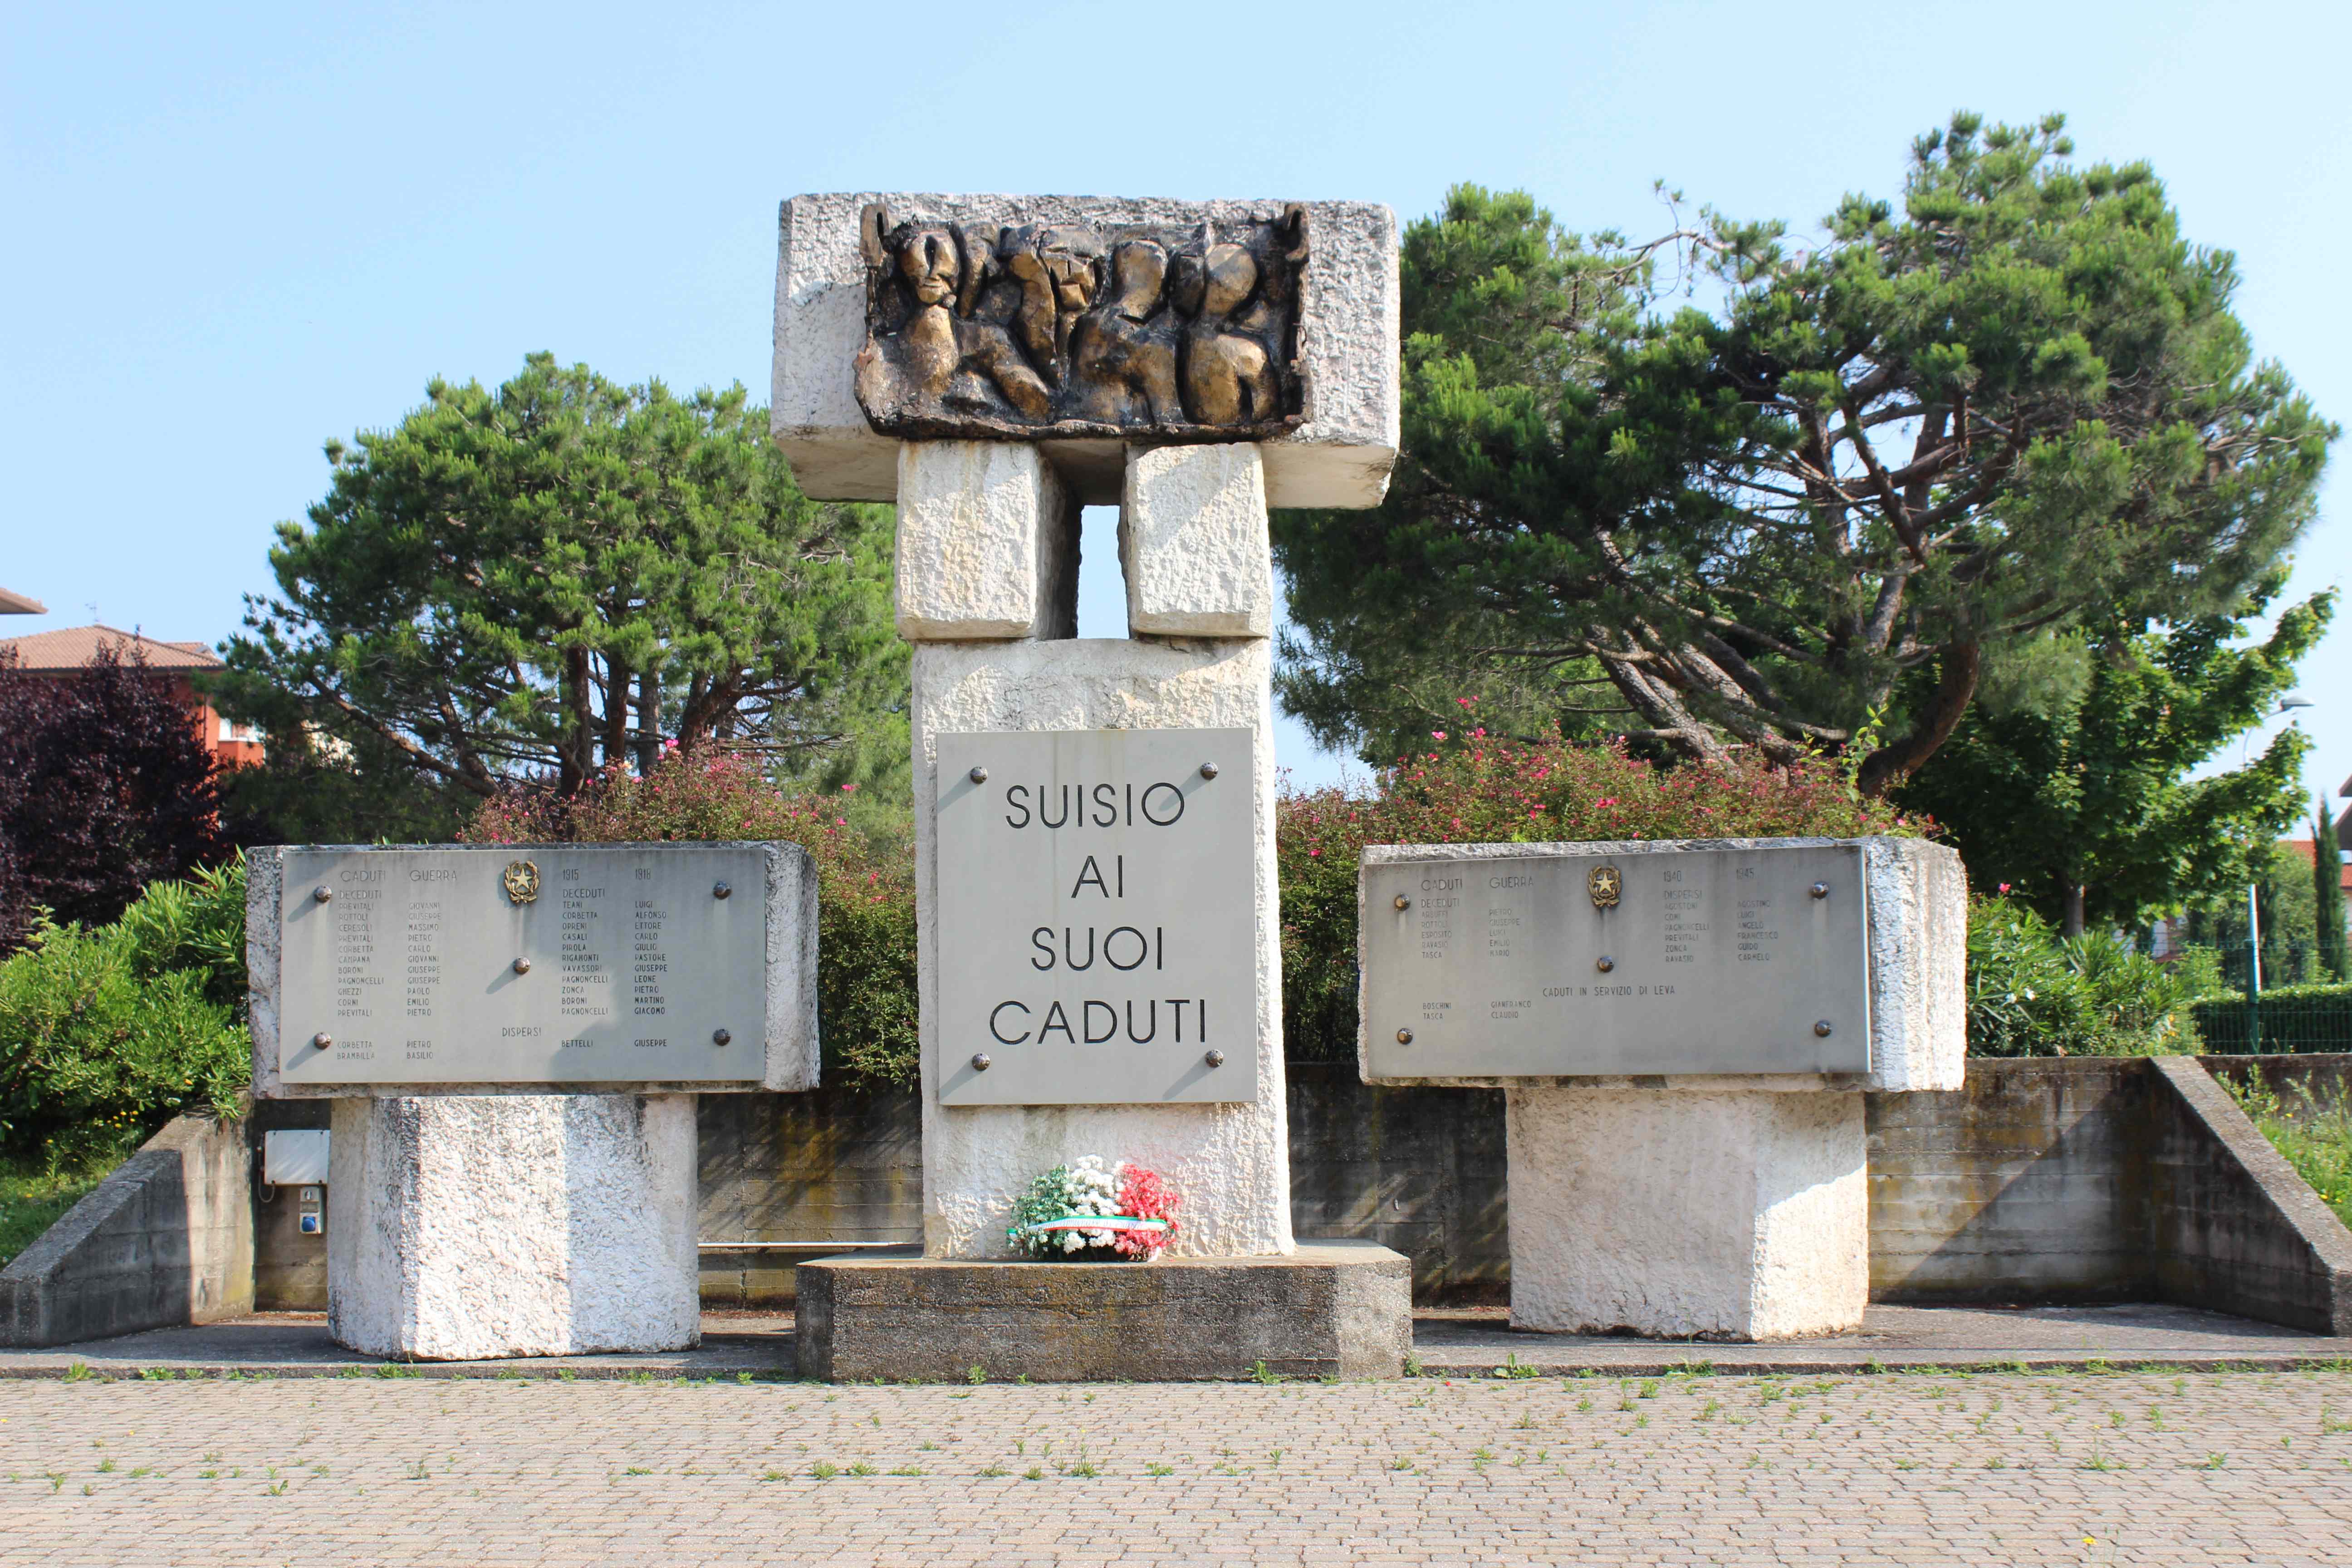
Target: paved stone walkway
2143 1468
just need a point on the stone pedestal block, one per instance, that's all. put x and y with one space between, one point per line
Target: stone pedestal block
464 1228
987 543
1739 1216
1336 1310
1192 541
1230 1161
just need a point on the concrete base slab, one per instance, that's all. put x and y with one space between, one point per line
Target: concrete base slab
1339 1309
1474 1342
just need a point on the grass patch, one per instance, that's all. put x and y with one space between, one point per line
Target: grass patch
33 1198
2315 1134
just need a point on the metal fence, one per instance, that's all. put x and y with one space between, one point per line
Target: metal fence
2292 1018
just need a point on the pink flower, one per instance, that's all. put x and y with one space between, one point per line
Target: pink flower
849 789
1312 853
2004 887
1437 735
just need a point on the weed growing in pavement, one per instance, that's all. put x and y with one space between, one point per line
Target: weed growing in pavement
1412 1364
861 1468
1401 1463
1034 1473
57 1482
908 1470
1512 1368
1154 1468
773 1476
823 1470
995 1472
2215 1461
1260 1373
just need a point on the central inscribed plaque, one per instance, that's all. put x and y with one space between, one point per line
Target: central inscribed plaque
976 330
1097 932
1550 965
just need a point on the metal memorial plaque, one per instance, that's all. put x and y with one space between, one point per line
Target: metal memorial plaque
1098 933
542 964
1542 965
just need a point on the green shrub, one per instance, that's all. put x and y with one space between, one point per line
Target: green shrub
99 1045
866 1012
1472 788
2031 994
2294 1018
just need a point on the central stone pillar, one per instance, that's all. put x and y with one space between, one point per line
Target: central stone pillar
1010 359
1010 541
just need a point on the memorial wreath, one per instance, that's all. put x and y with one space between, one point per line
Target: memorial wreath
1084 1213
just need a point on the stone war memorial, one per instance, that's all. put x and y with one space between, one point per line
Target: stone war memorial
1099 946
513 1038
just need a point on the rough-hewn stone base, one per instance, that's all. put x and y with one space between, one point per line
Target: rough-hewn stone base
1341 1309
1740 1216
465 1228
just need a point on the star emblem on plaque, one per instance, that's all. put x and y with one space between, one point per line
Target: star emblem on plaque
1605 886
520 881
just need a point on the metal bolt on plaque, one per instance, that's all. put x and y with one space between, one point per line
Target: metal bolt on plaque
1604 963
978 775
1214 1059
322 1040
322 894
721 1036
1820 890
719 890
1208 770
981 1061
1822 1027
1402 902
522 966
1404 1036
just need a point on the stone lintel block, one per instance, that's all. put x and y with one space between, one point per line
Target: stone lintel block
1331 1308
987 542
789 1060
1193 544
1230 1161
1338 457
492 1226
1917 895
1706 1216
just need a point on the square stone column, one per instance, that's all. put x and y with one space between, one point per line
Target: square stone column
1690 1214
470 1226
1231 1160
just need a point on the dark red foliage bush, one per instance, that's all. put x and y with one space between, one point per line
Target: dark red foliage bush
105 784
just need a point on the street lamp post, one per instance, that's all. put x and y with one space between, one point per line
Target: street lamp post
2254 914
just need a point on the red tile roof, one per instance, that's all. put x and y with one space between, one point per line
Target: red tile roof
18 605
71 647
2302 846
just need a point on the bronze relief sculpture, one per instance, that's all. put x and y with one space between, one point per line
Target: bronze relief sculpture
975 331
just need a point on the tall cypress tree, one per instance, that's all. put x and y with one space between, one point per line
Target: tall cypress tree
2328 896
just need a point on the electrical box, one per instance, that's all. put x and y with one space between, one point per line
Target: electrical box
294 1157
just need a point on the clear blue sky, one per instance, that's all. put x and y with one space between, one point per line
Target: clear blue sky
243 230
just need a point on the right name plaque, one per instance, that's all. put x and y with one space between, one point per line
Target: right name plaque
1562 963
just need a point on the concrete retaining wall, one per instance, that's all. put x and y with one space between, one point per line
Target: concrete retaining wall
166 1239
2099 1180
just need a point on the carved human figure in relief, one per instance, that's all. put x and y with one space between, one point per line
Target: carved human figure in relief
947 343
976 329
1228 374
1058 266
1123 352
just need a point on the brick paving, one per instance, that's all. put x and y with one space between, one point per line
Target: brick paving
2141 1467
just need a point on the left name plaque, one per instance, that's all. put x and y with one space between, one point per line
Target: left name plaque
524 964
